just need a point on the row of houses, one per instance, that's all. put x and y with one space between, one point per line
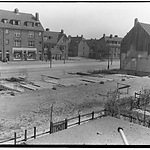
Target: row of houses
22 37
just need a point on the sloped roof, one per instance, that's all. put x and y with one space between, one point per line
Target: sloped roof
91 43
10 15
146 27
54 36
108 38
75 41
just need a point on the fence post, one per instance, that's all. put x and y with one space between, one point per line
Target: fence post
25 135
66 123
92 115
79 119
15 138
34 132
51 126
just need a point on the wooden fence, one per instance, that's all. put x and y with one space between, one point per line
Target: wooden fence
55 127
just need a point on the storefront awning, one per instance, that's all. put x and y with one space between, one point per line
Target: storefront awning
23 49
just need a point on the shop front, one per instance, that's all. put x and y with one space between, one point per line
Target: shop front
24 53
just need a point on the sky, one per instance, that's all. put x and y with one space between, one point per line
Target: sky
91 20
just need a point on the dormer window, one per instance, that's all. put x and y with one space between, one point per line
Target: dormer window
5 20
37 24
29 23
16 22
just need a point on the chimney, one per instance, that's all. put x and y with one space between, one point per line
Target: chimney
37 16
47 29
116 35
103 35
16 10
82 36
110 36
62 31
135 21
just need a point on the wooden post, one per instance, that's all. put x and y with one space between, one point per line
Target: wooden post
15 138
51 126
51 119
25 135
34 132
66 123
92 115
79 119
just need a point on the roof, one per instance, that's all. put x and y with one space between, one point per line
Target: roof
146 27
108 38
102 131
54 36
75 41
91 43
11 15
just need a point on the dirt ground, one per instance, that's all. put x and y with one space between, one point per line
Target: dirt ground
69 98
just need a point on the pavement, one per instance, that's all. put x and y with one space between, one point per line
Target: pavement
103 131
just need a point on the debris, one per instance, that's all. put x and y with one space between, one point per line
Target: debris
83 73
102 82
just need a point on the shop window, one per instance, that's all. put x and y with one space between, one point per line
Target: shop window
17 55
31 55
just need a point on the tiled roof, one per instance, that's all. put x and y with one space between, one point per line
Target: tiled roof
10 15
53 37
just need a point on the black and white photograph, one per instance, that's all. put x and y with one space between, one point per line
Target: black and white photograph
74 73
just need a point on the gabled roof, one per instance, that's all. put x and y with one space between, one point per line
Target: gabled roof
53 37
11 15
91 43
146 27
75 41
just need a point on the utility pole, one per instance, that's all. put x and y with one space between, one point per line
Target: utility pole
108 60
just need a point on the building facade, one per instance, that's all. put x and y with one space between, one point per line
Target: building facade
135 48
108 46
57 43
20 36
78 47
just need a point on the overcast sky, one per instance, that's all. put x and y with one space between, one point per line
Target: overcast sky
91 20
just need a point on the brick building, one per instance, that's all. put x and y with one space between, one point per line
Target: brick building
78 47
108 45
135 48
20 36
57 43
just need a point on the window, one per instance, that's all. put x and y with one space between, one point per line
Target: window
45 38
49 37
7 31
31 43
29 23
7 41
17 43
40 33
31 34
16 22
37 24
40 43
17 33
5 20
